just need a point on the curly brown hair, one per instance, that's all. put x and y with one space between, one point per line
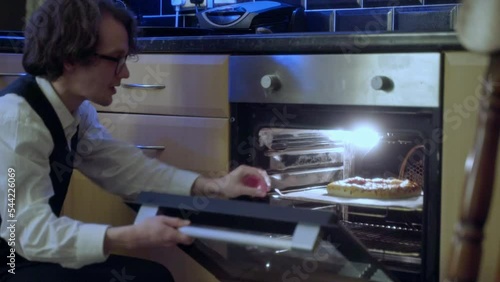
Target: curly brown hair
68 31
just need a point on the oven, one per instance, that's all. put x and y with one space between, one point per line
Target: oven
309 120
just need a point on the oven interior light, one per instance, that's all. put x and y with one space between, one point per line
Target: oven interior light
338 135
362 138
365 138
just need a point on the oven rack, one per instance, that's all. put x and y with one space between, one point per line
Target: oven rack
389 243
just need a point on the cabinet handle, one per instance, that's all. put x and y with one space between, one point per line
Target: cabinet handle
143 86
158 148
12 73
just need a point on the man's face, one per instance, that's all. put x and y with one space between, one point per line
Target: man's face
97 81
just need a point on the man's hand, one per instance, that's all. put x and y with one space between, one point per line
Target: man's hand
244 180
154 232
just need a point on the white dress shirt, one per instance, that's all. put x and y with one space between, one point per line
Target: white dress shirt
118 167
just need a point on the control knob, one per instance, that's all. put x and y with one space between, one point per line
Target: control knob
270 82
383 83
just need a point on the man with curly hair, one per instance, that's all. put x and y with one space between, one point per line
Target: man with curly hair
75 53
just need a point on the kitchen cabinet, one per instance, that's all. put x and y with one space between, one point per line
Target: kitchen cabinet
184 85
463 76
192 143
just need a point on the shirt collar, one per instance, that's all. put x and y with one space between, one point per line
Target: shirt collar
67 119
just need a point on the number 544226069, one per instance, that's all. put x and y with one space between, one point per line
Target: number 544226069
11 192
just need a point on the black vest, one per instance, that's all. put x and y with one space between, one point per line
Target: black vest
61 158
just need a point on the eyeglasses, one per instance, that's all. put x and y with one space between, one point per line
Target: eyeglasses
120 62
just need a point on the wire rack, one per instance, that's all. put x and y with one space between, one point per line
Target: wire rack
394 240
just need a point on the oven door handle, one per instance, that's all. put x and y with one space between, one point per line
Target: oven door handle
304 238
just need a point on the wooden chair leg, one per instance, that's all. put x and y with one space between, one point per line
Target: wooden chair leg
498 267
464 263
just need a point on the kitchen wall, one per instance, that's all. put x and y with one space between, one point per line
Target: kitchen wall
332 15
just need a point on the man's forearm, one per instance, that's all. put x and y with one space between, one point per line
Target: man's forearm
208 187
119 240
244 180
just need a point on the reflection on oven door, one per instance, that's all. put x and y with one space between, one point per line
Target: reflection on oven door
286 245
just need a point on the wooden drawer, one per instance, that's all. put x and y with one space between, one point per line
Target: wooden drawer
190 85
11 68
192 143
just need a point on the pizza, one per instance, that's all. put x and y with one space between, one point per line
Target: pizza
376 188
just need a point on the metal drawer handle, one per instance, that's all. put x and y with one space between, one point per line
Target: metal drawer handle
158 148
143 86
12 73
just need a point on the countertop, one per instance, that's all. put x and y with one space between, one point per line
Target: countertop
285 43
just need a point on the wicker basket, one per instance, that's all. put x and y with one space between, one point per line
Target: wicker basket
412 167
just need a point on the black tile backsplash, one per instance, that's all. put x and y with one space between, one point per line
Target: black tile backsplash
166 7
391 3
150 7
332 4
290 2
168 20
319 20
363 20
332 15
434 2
437 18
12 15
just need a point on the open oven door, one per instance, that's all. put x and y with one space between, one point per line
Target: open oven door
251 241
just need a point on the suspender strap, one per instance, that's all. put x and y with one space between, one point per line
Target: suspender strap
61 159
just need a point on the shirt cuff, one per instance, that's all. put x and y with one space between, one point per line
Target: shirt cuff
181 182
90 244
